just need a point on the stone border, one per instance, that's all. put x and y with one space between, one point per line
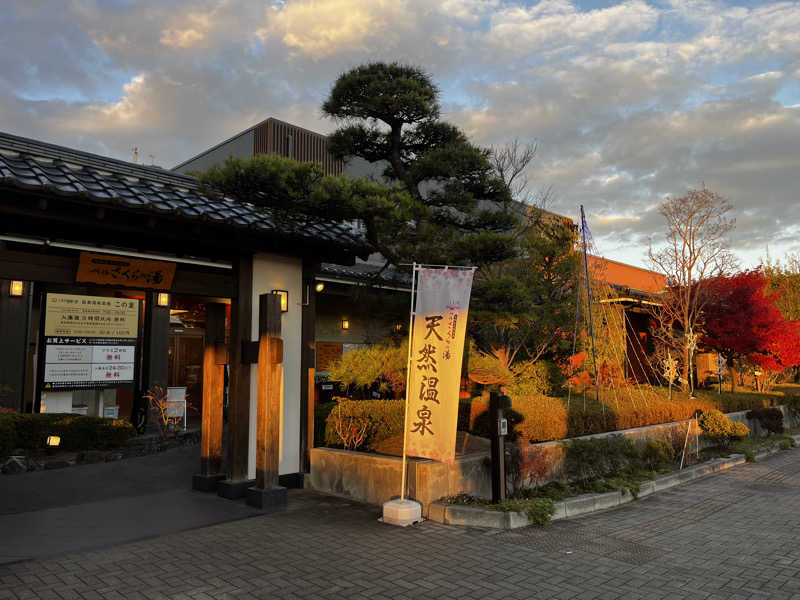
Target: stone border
471 516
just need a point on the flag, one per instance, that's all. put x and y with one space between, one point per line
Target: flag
437 350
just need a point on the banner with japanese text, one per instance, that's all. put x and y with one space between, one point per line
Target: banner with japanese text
434 379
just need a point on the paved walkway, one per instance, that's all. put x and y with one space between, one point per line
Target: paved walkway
50 513
729 536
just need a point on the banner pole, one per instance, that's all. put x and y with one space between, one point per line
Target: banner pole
408 378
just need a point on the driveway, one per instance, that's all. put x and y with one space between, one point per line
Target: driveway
48 513
728 536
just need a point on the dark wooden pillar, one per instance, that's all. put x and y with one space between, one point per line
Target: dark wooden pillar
14 348
267 493
307 365
236 484
155 364
213 390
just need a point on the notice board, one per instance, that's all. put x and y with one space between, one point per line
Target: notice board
89 342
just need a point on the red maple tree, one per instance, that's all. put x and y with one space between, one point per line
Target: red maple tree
742 322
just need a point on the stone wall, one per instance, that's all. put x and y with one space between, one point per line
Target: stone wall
375 478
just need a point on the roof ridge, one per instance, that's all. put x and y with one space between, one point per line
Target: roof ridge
9 141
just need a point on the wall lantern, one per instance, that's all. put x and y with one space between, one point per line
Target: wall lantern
52 443
284 296
16 288
345 323
320 286
398 327
162 299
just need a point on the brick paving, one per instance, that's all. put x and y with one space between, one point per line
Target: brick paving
728 536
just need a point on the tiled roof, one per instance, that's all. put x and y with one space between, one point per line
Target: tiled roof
40 167
368 272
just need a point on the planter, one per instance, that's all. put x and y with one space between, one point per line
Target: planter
375 478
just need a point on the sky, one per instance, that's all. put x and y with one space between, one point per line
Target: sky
628 102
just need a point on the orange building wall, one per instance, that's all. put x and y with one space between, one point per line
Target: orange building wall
626 275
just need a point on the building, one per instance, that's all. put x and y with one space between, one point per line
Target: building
99 261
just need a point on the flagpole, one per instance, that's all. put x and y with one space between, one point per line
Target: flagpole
408 377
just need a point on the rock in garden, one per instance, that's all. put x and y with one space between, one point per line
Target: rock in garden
14 464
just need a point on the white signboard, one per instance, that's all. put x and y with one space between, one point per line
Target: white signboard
90 341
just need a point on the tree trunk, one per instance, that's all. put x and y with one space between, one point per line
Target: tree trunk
686 368
732 373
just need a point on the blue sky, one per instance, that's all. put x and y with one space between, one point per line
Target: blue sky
629 102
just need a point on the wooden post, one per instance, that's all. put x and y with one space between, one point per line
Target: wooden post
267 493
308 364
312 403
213 391
235 486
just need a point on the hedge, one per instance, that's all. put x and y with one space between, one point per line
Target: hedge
77 432
382 418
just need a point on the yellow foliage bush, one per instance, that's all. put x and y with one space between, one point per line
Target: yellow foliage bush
543 418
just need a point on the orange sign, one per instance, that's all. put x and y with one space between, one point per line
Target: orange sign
108 269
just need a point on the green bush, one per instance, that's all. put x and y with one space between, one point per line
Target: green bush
769 418
658 455
381 420
321 412
538 510
77 432
597 458
8 439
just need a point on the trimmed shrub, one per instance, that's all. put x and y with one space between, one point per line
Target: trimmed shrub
7 437
379 419
739 430
770 419
596 458
77 432
543 418
658 455
720 428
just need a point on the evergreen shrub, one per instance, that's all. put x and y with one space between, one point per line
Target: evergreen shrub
769 418
381 420
77 432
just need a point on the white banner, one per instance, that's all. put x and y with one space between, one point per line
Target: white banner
437 350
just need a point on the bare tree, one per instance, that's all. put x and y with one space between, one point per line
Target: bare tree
695 253
511 163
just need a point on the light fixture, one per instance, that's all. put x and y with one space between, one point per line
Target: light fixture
162 299
52 443
16 288
345 323
398 327
284 295
320 286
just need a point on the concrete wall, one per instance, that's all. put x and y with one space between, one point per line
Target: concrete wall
241 146
375 478
275 272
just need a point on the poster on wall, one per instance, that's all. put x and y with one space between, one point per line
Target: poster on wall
89 342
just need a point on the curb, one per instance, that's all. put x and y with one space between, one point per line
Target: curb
471 516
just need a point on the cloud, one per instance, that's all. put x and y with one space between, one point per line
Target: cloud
318 29
629 103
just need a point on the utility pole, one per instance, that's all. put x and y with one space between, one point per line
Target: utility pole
589 304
